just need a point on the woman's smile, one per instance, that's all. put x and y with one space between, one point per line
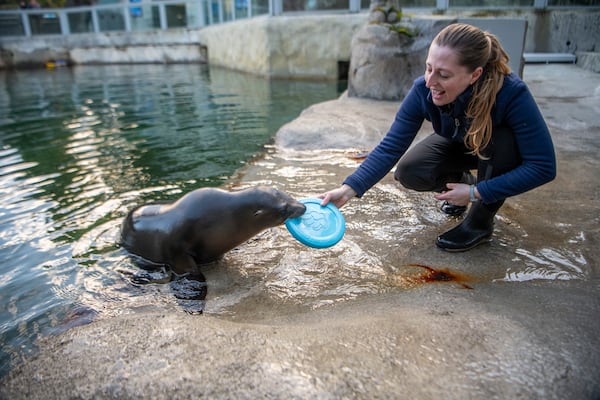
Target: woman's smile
445 77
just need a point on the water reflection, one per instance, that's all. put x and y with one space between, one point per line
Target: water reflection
547 264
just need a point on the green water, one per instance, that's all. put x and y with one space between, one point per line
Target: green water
80 147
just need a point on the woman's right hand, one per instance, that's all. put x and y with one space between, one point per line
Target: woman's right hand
338 197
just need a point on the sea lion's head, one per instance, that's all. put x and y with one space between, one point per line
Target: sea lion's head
272 207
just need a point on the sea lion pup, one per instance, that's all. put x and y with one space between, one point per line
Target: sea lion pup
203 225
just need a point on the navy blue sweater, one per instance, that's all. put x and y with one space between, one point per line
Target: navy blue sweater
514 108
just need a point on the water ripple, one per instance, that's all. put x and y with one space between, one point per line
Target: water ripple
547 264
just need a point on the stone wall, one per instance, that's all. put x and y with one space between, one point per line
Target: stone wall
300 47
168 46
563 32
550 31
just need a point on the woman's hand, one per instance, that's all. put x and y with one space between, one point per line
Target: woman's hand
338 197
457 194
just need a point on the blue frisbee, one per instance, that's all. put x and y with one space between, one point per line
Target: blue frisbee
319 226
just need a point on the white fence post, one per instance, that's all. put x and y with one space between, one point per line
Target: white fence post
63 21
162 14
275 7
127 18
26 24
201 16
95 21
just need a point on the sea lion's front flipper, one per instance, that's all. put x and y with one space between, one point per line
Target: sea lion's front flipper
189 285
184 263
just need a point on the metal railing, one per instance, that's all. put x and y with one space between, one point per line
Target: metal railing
133 16
147 15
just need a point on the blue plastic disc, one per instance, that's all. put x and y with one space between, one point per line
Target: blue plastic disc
319 226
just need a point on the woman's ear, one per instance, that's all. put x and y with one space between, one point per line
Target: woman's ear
476 74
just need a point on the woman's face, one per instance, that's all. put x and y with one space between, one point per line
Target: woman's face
445 77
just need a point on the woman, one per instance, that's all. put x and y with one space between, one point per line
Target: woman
484 118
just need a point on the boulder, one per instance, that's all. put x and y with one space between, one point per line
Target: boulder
385 61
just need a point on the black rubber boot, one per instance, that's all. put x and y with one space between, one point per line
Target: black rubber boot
476 228
451 209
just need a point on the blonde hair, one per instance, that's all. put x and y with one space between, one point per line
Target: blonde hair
476 48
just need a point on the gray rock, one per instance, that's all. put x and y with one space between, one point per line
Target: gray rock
383 62
377 17
589 60
338 124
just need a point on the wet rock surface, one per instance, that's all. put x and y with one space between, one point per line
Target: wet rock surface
365 319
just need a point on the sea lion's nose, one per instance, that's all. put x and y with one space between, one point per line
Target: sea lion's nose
294 210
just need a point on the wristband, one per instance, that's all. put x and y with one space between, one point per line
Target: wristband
472 197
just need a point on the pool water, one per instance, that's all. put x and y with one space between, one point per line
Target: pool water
81 146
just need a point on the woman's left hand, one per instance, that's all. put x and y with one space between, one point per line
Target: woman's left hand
457 194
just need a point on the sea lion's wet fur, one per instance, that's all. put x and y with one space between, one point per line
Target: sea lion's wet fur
204 224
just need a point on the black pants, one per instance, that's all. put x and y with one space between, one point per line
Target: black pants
435 161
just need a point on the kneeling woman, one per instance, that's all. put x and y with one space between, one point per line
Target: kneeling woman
484 118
